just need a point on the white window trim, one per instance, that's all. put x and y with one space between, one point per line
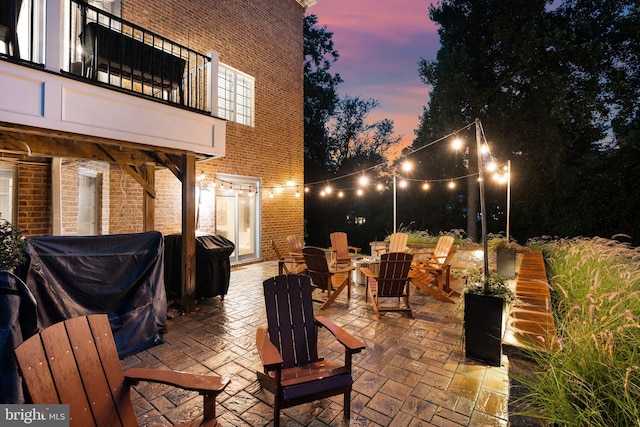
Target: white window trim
236 74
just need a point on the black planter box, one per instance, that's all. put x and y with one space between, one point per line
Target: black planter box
483 328
506 262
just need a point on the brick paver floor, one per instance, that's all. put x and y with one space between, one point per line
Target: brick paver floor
412 373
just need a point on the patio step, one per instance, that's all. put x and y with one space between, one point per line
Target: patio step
530 324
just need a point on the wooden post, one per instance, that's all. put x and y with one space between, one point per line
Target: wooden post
189 234
148 202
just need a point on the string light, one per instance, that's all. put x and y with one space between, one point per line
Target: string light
425 186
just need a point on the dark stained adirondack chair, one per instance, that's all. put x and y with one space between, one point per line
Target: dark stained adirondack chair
76 362
288 347
391 282
323 277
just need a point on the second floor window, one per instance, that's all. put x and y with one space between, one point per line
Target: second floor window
235 95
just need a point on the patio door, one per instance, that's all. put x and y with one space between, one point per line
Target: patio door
238 214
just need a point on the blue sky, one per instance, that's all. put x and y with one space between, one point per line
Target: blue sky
380 43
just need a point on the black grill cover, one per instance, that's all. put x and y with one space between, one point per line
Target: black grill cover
17 323
213 268
121 275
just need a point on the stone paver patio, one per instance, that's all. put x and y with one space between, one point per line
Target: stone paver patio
412 373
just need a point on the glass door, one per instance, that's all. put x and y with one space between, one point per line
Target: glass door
237 215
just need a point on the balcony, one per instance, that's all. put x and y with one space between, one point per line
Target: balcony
92 73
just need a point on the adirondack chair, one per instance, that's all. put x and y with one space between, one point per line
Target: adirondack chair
391 282
289 264
76 362
295 245
329 280
341 252
397 243
431 271
288 347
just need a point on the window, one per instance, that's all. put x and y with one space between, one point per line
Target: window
7 192
235 95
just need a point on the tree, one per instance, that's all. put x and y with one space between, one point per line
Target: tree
545 84
340 140
320 93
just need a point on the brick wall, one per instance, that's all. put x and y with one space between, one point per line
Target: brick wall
264 40
34 197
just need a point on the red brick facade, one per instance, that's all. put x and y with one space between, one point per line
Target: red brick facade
260 38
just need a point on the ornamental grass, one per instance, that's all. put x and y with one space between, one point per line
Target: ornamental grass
594 380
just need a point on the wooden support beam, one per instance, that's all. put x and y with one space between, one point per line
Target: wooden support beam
131 171
148 202
189 233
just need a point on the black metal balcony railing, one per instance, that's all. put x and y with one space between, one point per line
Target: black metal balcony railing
106 49
109 51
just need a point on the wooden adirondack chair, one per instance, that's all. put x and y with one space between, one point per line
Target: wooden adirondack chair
289 264
397 243
341 252
432 270
76 362
288 347
329 280
295 245
391 282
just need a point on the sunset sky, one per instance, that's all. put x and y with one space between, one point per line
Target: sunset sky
380 43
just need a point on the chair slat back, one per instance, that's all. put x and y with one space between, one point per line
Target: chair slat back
398 242
317 266
443 247
394 274
340 244
76 362
290 318
295 244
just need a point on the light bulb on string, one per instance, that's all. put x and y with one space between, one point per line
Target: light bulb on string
456 144
340 194
297 193
403 183
379 187
363 181
451 185
328 189
360 192
425 185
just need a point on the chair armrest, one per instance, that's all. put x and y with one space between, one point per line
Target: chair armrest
343 269
269 354
368 273
351 344
353 248
204 384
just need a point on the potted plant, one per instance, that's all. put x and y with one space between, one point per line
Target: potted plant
506 251
485 300
12 246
